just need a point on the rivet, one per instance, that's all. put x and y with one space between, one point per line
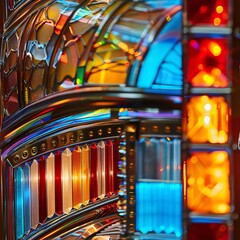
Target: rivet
81 135
90 134
34 150
16 158
54 142
25 154
167 129
155 128
109 130
100 131
63 139
72 138
119 129
43 147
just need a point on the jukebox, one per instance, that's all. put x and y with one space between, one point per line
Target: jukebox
119 119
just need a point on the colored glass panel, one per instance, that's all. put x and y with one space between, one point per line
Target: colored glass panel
58 183
77 177
208 62
67 180
208 189
214 12
109 166
50 178
85 173
208 231
34 193
207 119
164 57
42 190
159 208
101 169
116 144
27 198
93 176
19 204
159 159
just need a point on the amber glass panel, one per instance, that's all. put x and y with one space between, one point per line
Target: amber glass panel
208 231
207 120
214 12
208 182
208 62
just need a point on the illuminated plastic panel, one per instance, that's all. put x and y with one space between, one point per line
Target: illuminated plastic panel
208 188
208 62
207 119
204 12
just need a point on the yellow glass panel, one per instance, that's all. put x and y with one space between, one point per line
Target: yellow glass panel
207 120
208 182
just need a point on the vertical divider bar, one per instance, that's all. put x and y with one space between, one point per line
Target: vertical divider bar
131 138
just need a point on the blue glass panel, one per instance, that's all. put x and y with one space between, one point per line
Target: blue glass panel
19 215
159 207
27 198
164 58
159 159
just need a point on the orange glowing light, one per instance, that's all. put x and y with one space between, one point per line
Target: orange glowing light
219 9
217 21
207 120
208 184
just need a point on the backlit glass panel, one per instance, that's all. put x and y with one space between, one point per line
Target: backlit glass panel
208 188
208 62
214 12
207 120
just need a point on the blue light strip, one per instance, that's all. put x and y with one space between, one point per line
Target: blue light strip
19 206
159 208
27 198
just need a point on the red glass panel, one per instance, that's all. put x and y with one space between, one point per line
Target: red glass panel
93 177
58 183
109 167
208 231
42 190
214 12
115 162
208 62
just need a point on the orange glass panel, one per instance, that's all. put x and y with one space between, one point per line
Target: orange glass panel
208 62
207 120
208 182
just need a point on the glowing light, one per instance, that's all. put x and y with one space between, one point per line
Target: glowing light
206 120
64 58
215 49
217 21
208 182
219 9
207 107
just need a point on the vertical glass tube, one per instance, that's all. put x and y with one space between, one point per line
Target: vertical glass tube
166 158
50 177
27 198
115 161
109 166
34 193
42 190
67 180
178 209
58 183
101 169
76 177
85 173
19 206
140 146
93 178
